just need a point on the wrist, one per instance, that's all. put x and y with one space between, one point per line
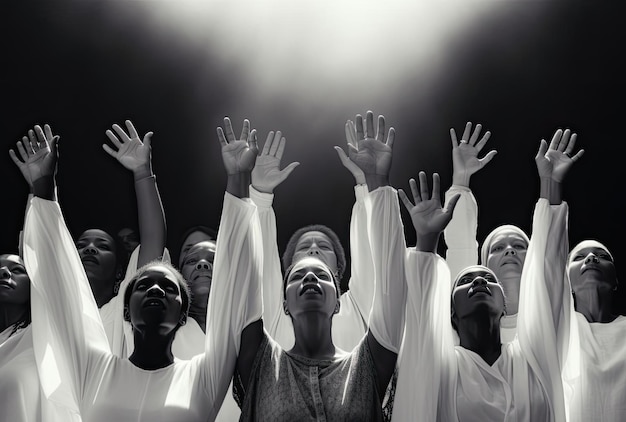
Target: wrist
263 189
44 188
551 190
374 181
142 172
427 243
461 179
238 184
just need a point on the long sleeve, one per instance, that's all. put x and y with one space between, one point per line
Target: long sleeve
427 352
387 243
235 299
543 318
460 233
67 330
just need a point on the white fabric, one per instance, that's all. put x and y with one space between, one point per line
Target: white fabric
524 384
460 233
73 356
19 383
350 324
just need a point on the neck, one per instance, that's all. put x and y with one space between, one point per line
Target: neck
153 350
480 333
103 291
313 338
10 314
199 313
511 286
595 304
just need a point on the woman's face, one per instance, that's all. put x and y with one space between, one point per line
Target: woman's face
310 287
192 239
97 253
14 281
316 244
156 302
506 255
477 289
591 266
197 268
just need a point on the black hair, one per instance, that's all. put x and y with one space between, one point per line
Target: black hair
210 232
290 249
26 318
288 271
184 287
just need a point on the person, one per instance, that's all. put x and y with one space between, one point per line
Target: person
483 378
193 235
151 383
315 379
197 268
504 248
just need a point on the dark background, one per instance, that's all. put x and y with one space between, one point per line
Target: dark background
522 69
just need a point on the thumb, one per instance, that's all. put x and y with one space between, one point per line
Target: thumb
452 203
287 170
54 145
147 139
543 147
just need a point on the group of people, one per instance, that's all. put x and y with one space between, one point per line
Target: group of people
522 331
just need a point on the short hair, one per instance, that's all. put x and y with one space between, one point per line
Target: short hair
210 232
184 287
288 271
290 249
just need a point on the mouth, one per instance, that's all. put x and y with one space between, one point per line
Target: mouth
510 262
7 284
206 277
154 304
312 288
479 289
89 259
591 268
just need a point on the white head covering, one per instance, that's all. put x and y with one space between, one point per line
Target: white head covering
484 250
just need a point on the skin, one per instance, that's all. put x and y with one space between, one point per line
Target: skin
14 290
317 244
98 255
197 268
192 239
507 253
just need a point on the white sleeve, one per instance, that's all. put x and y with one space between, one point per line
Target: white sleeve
276 322
460 233
387 243
544 298
67 330
427 350
235 300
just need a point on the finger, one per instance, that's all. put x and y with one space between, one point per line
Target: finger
54 145
578 155
564 140
32 143
571 144
253 142
423 185
245 131
276 143
380 133
113 138
221 137
281 147
543 148
228 130
467 131
109 150
474 138
436 183
350 133
483 141
391 137
359 127
268 143
452 204
487 158
123 136
369 124
554 143
41 138
287 170
417 198
342 156
455 143
48 131
21 149
405 200
131 130
16 160
147 139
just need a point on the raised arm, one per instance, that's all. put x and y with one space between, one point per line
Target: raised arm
460 233
67 331
266 176
135 155
428 349
234 325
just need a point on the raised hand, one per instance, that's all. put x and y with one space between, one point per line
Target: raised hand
554 160
266 174
428 218
369 156
132 152
465 161
239 155
38 152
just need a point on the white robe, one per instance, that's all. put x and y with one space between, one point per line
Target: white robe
74 360
524 384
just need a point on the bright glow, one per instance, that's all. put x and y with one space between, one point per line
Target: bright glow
314 49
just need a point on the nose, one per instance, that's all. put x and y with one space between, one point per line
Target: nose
155 291
309 278
203 264
5 274
313 251
510 251
591 258
478 281
90 249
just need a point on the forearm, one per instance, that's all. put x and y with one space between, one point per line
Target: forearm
151 218
460 233
551 190
238 184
